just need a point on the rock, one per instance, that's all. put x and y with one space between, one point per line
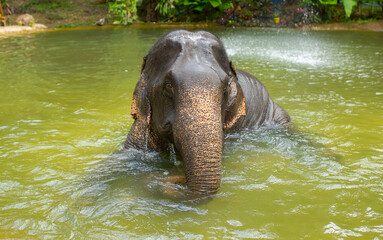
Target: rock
11 29
25 20
39 26
101 22
16 29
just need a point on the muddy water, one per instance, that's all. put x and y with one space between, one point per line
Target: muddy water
64 113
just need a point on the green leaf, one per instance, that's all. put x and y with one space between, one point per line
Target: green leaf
329 2
199 8
226 5
215 3
348 5
187 2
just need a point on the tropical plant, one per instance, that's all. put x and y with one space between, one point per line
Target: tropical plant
2 17
200 4
191 9
166 8
347 4
124 11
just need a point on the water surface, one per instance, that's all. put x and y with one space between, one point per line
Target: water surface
64 113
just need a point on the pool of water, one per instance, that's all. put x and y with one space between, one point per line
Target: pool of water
64 113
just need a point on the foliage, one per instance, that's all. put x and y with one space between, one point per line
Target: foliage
199 5
227 11
360 21
166 8
348 5
191 9
329 2
2 17
43 6
124 11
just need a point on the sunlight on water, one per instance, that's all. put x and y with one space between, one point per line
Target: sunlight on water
65 100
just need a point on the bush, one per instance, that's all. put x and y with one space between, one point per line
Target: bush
124 11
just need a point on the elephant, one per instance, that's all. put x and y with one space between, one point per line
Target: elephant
190 95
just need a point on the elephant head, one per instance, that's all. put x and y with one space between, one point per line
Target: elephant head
188 95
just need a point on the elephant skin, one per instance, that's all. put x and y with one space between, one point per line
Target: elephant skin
189 94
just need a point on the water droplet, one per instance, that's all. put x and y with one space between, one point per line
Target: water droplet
173 156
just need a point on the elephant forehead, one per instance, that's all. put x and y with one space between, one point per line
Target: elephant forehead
199 58
193 49
194 74
186 52
200 44
186 36
201 48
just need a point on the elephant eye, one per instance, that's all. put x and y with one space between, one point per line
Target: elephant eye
168 90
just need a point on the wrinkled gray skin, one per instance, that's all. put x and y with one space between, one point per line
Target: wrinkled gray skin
190 95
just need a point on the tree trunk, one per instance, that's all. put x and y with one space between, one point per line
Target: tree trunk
2 17
151 13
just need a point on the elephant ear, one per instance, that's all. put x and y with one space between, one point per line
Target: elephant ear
236 107
140 109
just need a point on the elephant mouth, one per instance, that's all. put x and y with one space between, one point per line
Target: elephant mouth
165 132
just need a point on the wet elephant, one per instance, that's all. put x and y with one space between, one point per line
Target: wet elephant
189 94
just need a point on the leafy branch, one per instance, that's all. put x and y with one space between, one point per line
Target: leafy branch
124 11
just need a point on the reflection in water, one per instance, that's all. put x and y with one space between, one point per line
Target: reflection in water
64 102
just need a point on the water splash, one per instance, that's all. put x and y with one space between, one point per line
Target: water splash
306 50
173 156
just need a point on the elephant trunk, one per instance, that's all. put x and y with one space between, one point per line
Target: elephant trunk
198 136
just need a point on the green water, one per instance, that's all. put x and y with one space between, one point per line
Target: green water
64 112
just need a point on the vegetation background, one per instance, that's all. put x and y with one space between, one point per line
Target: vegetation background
261 13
